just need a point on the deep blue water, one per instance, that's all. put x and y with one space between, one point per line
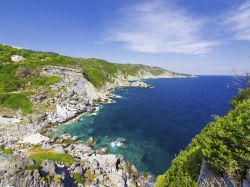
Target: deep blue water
158 122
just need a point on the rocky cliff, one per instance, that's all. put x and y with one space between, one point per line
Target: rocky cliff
39 90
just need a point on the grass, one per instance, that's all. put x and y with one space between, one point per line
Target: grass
16 101
78 178
7 151
56 179
32 166
39 157
45 81
38 154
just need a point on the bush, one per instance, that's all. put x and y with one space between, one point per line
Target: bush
78 178
32 166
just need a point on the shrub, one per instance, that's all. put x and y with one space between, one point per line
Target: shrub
32 166
78 178
56 179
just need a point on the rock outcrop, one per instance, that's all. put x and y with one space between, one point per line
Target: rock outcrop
208 178
16 58
92 167
139 84
76 93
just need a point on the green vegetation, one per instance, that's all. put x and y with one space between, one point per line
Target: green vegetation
38 154
48 178
243 95
20 77
7 151
39 157
224 144
78 178
45 81
32 166
97 71
16 101
56 179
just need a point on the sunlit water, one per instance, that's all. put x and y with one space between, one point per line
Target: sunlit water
158 122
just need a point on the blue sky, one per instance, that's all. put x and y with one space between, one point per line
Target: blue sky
198 37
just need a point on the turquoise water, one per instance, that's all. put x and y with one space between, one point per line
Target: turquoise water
158 122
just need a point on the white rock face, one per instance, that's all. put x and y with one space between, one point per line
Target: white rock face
108 168
65 112
16 58
139 84
77 93
9 120
34 139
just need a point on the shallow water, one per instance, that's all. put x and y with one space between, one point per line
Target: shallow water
158 122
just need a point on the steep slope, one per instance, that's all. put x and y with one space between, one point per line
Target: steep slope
219 155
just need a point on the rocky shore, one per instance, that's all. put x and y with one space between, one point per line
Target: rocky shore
86 166
70 97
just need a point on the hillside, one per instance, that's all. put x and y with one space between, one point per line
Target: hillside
219 155
19 79
98 71
39 90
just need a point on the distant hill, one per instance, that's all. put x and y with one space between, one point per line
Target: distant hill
98 71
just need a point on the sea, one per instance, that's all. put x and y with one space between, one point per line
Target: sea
149 127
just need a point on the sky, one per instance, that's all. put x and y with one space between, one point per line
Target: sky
197 37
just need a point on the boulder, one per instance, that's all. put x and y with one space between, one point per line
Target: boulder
91 141
16 58
48 168
140 84
58 148
79 170
34 139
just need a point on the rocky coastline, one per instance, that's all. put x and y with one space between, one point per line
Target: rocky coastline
72 96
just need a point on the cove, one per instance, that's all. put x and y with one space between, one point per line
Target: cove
157 123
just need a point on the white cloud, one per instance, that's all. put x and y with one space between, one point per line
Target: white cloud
239 21
157 27
17 47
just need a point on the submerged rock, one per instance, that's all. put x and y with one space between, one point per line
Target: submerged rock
119 142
